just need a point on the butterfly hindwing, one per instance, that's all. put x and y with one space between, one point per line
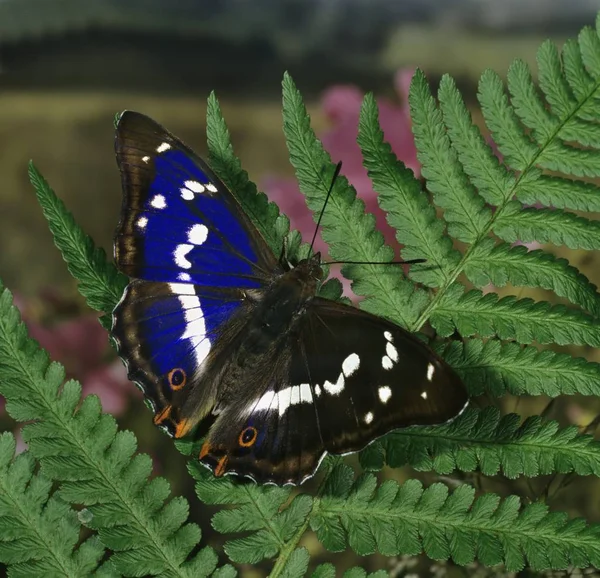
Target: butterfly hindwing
340 380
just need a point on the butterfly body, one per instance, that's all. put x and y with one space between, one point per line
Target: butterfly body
217 331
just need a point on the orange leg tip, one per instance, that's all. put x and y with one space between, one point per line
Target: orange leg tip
204 450
162 415
220 469
183 428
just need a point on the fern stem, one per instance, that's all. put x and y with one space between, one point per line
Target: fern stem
267 520
453 275
291 545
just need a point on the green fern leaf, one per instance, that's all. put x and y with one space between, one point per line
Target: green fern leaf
79 446
328 571
499 368
264 214
297 564
38 532
493 182
408 519
560 193
547 226
501 264
349 232
552 82
464 210
522 320
258 509
409 212
99 281
485 441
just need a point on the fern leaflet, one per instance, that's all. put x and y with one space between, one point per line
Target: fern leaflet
481 440
408 519
38 532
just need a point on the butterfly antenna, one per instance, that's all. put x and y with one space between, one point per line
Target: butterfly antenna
336 174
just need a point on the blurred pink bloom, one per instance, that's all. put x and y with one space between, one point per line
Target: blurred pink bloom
81 345
341 105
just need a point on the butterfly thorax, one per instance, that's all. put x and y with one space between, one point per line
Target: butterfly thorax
282 304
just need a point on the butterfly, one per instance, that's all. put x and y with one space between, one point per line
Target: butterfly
220 333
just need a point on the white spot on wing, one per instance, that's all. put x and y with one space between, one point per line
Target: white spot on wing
368 418
295 399
186 194
318 390
194 186
387 335
305 393
391 351
142 222
146 159
335 388
265 402
197 234
158 202
424 395
180 255
285 399
210 187
161 148
430 371
195 328
385 393
386 362
350 364
184 277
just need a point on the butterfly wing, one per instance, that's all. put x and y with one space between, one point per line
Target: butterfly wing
193 253
345 378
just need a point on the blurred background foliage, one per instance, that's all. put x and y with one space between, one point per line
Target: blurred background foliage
67 66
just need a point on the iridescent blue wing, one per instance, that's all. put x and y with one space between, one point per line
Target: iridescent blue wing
179 222
194 255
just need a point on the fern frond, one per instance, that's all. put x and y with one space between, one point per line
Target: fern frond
522 320
265 215
349 232
501 263
328 571
297 564
499 368
38 532
99 281
561 193
258 509
485 441
406 519
464 209
547 226
408 211
80 447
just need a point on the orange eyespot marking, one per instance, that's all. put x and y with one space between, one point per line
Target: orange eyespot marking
220 469
163 415
248 437
183 428
204 450
177 378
